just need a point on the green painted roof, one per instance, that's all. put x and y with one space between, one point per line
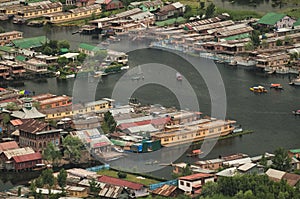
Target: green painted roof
241 36
170 21
20 58
32 42
270 18
89 47
297 23
64 50
295 150
7 49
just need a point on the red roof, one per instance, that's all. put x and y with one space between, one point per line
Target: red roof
8 145
196 176
157 121
27 157
120 182
16 122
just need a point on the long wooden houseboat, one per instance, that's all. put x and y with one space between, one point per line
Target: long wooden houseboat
194 131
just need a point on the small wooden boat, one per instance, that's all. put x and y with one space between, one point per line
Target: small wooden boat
258 89
194 153
233 63
276 86
178 76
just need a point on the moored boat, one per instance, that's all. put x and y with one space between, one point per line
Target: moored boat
178 76
258 89
276 86
233 63
296 112
237 129
295 82
195 153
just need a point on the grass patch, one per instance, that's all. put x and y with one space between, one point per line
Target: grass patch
130 177
179 20
239 14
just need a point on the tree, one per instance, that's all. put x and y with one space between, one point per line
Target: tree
48 178
100 55
287 40
81 57
47 50
209 189
73 148
63 44
19 191
109 123
62 179
264 43
62 61
52 154
94 187
249 46
122 174
281 160
263 161
210 10
255 38
278 42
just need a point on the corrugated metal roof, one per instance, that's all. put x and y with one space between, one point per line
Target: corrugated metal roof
270 18
16 122
33 126
27 157
110 191
8 145
166 190
30 42
196 176
275 174
291 178
120 182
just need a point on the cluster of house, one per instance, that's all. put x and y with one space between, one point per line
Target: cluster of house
225 40
237 164
21 60
53 12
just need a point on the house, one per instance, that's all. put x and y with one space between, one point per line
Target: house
20 158
276 20
138 189
8 53
112 191
237 162
37 134
7 37
275 175
89 49
75 191
29 43
16 69
165 12
151 5
83 3
178 167
4 146
55 101
250 168
194 182
4 73
294 153
291 178
166 190
28 112
112 5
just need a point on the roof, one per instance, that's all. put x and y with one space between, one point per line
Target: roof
110 191
294 150
18 152
177 5
89 47
33 126
275 174
31 42
27 157
28 114
16 122
196 176
246 166
20 58
54 100
291 178
238 162
297 23
70 55
7 49
166 190
227 172
270 18
120 182
8 145
142 128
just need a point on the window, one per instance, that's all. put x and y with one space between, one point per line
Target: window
211 130
188 184
181 183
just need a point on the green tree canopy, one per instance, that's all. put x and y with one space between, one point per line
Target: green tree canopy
52 154
62 178
63 44
73 148
281 160
210 10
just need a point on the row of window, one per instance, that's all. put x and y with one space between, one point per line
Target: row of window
75 15
41 12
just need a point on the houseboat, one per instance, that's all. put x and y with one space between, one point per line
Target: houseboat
194 131
295 82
